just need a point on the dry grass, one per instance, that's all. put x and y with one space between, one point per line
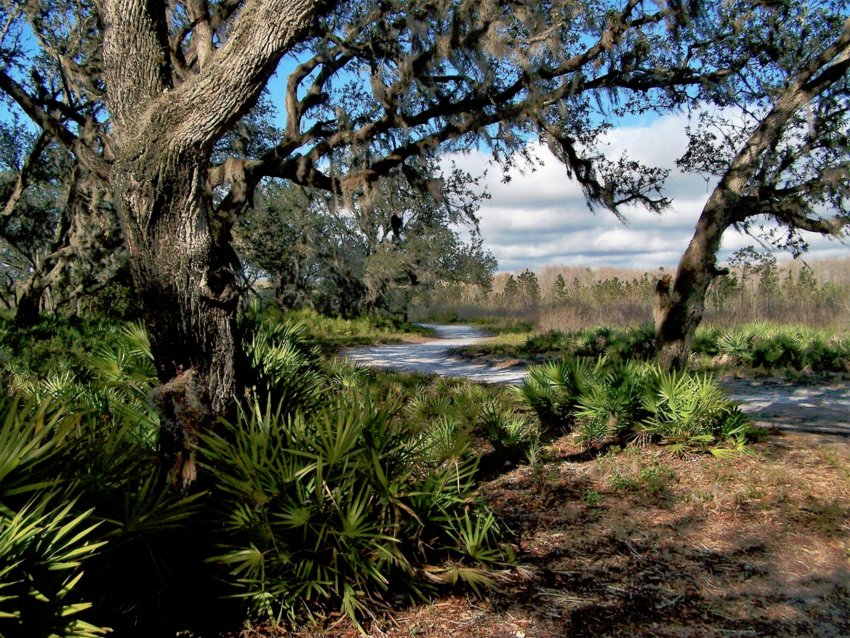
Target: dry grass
572 318
625 297
641 543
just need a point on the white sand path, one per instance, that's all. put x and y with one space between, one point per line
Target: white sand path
433 356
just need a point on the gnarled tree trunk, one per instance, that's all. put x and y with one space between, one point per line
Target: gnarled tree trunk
164 127
742 193
188 287
680 301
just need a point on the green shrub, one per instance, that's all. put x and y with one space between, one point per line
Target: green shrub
737 346
549 341
42 549
706 340
778 351
285 364
339 508
772 346
511 435
54 344
92 431
689 411
446 439
832 356
759 344
44 538
553 389
614 403
637 342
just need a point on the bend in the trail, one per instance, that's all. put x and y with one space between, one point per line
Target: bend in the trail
433 356
770 402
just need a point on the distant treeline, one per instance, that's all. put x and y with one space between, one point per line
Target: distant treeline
815 292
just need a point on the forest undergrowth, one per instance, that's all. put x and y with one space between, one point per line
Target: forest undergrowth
342 500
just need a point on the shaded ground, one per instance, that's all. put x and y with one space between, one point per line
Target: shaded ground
771 402
641 543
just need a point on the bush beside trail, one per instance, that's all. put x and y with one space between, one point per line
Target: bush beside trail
757 346
327 494
617 402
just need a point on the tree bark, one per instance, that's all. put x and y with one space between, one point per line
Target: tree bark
188 286
680 301
180 255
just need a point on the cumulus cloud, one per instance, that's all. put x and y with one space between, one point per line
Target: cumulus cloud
539 217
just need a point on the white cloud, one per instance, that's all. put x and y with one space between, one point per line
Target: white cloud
539 217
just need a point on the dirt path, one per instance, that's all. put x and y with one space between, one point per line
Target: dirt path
433 356
771 402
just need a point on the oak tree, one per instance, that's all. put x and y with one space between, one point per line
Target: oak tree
775 136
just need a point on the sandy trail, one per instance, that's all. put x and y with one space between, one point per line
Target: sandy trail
823 409
433 356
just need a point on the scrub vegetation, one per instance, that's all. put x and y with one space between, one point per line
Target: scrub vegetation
338 496
202 200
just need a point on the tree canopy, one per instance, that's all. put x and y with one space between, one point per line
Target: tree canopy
372 253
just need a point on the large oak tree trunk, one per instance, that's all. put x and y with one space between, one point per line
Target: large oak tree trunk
187 284
164 127
680 301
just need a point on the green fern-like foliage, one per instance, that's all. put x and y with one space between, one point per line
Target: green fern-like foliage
339 508
774 346
553 389
112 378
511 435
42 551
690 411
737 346
615 401
285 365
614 404
30 438
44 537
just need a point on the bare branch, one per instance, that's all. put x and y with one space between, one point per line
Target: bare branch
54 127
24 175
